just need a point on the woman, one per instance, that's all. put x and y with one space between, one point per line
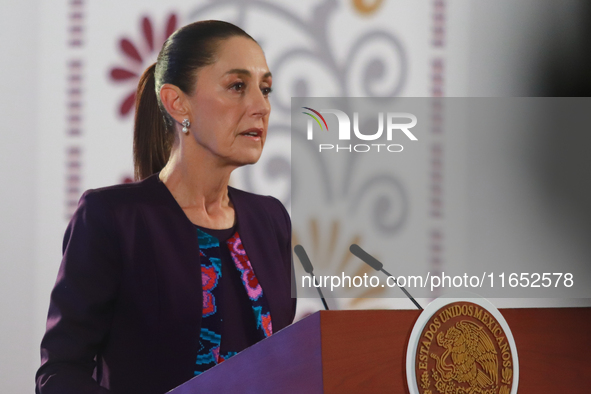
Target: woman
166 277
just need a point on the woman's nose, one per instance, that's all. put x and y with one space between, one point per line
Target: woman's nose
260 105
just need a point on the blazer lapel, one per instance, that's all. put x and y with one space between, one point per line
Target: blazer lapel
260 243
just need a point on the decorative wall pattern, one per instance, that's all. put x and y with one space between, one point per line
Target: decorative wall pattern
315 48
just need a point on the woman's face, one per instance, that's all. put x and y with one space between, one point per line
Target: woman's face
230 104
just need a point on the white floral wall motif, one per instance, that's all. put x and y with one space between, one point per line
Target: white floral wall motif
314 48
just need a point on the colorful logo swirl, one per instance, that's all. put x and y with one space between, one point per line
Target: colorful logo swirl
315 118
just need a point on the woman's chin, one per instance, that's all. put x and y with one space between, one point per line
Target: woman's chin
247 158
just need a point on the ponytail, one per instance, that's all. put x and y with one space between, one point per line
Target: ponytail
151 139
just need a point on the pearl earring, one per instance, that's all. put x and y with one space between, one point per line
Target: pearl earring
186 125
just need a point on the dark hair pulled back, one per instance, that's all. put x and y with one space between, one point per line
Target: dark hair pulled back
184 52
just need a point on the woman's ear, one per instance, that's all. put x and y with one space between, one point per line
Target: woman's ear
175 101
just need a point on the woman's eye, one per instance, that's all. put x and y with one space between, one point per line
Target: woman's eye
266 91
238 86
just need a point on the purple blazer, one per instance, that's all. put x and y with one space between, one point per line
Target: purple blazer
125 312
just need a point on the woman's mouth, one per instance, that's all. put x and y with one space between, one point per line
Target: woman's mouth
253 134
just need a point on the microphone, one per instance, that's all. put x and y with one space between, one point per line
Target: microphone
303 256
378 266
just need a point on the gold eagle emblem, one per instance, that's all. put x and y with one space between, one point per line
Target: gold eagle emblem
473 357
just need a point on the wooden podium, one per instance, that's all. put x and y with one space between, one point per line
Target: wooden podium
364 352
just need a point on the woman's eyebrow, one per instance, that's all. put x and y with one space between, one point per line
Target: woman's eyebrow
246 72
